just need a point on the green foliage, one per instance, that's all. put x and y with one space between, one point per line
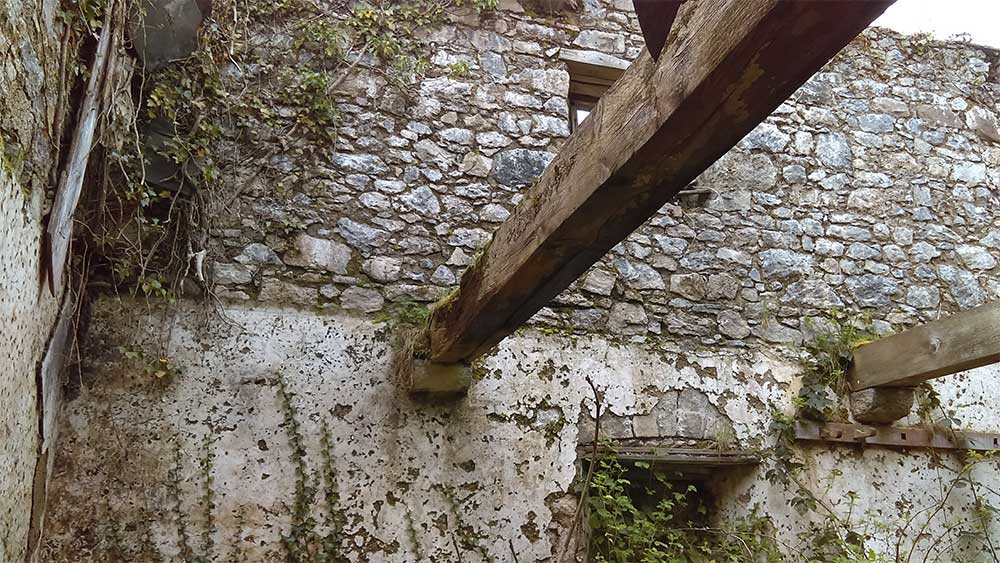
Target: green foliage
661 521
931 410
459 69
407 314
308 92
157 369
304 542
841 536
824 367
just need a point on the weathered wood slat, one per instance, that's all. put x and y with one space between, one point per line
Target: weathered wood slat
728 65
960 342
59 230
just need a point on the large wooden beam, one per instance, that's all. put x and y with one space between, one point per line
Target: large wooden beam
726 66
963 341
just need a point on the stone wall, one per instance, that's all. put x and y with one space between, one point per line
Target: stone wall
492 471
29 111
873 189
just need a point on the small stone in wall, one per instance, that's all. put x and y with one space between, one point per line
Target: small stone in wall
459 258
777 333
475 164
588 319
722 286
627 318
279 291
689 286
257 253
520 167
457 135
877 123
881 406
359 163
423 201
963 285
733 325
923 297
329 291
766 136
834 150
976 257
361 299
871 290
469 238
361 236
599 281
779 263
318 254
601 41
493 213
383 269
971 173
812 293
639 276
443 276
231 274
493 63
923 252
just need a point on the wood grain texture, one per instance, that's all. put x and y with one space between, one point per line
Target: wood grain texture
59 230
963 341
727 66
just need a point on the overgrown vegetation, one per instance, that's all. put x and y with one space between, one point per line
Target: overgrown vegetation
639 514
264 81
825 363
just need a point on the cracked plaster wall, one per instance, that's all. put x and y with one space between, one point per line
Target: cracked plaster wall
29 71
874 188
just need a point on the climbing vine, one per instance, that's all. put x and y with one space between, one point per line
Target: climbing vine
176 140
304 542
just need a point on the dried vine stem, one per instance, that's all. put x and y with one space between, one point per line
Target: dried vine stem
571 536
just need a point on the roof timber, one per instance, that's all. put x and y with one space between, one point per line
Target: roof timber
727 66
960 342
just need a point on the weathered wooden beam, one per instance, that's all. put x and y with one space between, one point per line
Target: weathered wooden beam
729 64
960 342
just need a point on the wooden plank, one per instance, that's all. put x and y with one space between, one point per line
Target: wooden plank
896 437
960 342
59 230
730 65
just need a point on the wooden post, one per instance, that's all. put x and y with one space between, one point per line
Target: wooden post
963 341
727 66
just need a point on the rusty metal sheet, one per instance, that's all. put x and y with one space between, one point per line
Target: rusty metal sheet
896 437
656 17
